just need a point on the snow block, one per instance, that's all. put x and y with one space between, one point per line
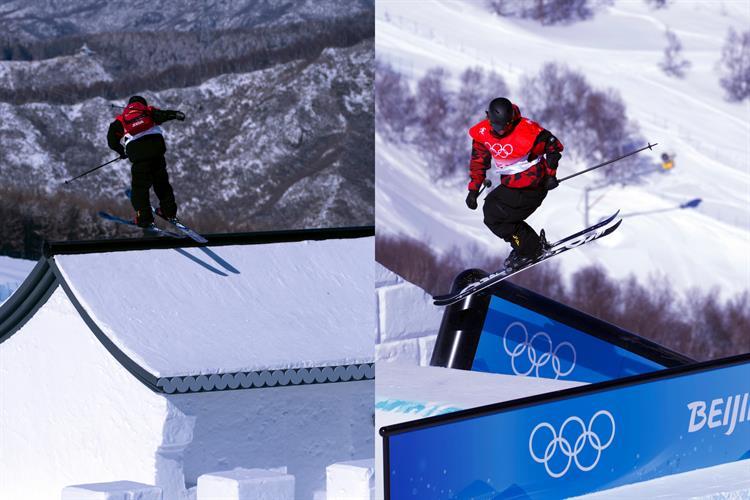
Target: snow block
404 351
426 346
384 276
246 484
406 311
117 490
351 480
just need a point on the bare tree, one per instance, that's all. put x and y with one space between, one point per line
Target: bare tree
734 65
394 103
673 62
591 123
434 106
548 12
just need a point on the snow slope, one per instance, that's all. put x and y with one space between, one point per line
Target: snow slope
12 273
620 48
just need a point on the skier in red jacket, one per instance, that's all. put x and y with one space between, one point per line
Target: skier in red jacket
526 156
135 134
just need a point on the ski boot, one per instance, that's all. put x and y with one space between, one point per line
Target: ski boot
172 220
543 240
144 220
517 261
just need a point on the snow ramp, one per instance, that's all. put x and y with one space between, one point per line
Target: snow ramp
243 311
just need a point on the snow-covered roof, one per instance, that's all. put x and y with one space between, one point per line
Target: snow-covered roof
226 316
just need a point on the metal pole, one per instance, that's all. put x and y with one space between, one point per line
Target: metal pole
607 162
92 170
586 206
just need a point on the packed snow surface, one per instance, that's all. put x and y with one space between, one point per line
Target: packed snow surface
406 392
706 247
69 412
232 308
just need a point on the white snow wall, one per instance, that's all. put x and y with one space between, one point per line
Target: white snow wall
71 414
407 321
303 427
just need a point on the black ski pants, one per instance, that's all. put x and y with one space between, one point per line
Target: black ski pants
505 212
148 173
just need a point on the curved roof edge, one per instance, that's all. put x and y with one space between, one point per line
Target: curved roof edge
52 248
27 299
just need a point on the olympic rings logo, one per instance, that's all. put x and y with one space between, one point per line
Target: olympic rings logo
501 150
537 360
587 436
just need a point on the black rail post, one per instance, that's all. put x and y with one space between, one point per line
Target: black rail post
461 326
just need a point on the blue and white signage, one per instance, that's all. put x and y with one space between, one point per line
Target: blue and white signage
518 341
588 442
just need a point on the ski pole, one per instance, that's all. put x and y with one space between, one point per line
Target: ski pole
487 183
607 162
93 169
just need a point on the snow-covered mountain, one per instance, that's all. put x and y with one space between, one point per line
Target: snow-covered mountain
29 20
620 48
290 143
278 97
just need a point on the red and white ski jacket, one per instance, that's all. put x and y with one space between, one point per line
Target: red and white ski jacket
518 155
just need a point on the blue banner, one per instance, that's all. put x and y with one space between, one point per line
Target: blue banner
588 442
518 341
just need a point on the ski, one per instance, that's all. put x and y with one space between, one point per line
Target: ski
176 223
582 237
183 229
602 223
154 231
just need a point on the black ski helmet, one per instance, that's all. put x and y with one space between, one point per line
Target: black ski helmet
137 98
500 114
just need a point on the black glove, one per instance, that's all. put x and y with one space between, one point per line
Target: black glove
551 183
169 114
471 199
553 159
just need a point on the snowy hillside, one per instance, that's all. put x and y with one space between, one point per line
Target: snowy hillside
278 98
620 48
277 144
38 19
